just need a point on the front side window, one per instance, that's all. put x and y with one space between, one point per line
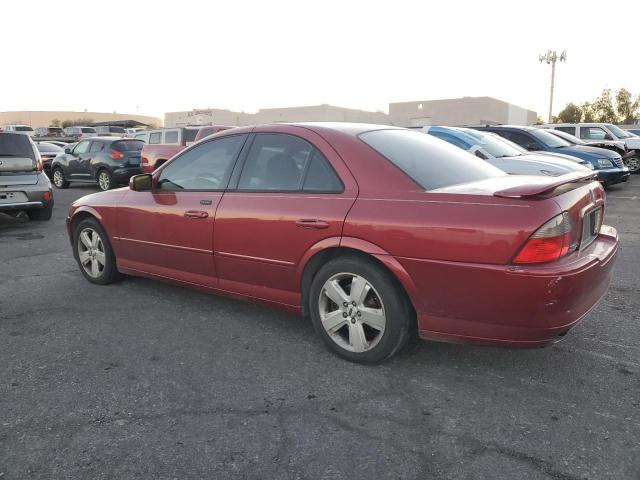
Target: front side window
96 147
207 167
82 147
592 133
155 138
521 139
286 163
430 163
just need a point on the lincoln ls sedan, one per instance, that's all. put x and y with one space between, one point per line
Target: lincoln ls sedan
376 233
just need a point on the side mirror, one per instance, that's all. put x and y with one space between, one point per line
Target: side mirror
67 150
141 183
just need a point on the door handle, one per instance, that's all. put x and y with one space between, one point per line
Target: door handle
195 214
312 223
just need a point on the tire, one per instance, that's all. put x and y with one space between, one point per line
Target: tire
633 163
104 180
59 180
372 330
87 250
41 213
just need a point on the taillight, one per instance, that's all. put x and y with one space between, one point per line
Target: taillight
46 196
550 242
116 155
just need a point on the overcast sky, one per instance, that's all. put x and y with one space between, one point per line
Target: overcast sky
159 56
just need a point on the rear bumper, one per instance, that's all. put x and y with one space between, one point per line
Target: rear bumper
518 306
6 207
122 175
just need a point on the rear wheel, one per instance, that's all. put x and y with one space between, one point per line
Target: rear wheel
104 180
59 179
359 310
94 253
41 213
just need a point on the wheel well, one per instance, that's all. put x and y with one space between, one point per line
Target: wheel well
77 218
319 259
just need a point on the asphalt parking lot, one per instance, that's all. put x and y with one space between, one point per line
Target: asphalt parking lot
145 380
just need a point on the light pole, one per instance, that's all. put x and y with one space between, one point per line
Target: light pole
551 57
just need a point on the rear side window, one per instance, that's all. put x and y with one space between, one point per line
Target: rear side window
171 137
431 163
190 134
15 145
286 163
127 145
154 138
96 147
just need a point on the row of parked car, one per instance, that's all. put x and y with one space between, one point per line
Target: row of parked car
75 132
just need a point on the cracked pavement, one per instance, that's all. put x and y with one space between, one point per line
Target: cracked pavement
146 380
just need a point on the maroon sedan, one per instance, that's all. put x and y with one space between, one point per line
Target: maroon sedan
373 231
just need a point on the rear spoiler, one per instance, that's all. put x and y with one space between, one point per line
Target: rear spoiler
547 186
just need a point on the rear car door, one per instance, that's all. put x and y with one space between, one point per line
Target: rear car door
86 160
168 231
291 192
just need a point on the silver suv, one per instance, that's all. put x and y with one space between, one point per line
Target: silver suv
24 187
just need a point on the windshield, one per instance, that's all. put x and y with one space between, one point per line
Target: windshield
617 131
492 144
566 136
549 139
430 162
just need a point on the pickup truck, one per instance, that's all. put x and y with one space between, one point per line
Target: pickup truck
163 143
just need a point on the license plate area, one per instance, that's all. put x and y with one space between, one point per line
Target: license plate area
591 223
134 160
12 197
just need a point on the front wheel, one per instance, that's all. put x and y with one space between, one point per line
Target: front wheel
58 178
359 310
633 163
94 253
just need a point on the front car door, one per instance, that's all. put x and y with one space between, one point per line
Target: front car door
168 231
76 171
290 192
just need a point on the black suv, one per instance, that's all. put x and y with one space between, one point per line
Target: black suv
107 161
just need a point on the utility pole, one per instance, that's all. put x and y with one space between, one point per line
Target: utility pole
551 57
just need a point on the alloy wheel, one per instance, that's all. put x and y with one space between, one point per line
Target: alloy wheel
352 312
58 179
104 181
634 164
91 252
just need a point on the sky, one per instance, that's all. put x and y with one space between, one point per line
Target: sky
153 57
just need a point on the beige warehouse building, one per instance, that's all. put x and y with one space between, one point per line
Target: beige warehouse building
451 112
44 118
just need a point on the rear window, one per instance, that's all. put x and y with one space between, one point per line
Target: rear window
88 130
15 145
116 130
430 162
20 128
190 134
128 145
44 147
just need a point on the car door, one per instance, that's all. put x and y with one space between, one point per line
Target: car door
75 158
87 160
291 192
168 231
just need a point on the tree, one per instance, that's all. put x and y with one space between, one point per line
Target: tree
55 122
77 121
571 113
540 120
587 113
626 108
603 108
